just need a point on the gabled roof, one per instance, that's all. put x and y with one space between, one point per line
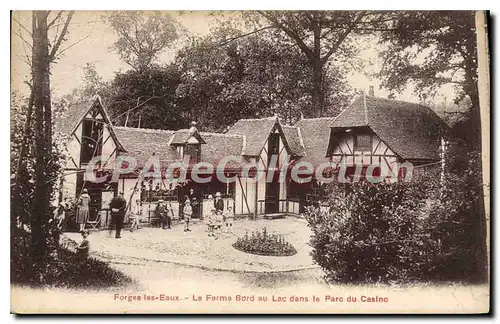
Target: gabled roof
315 134
294 140
68 121
411 130
255 131
142 143
182 136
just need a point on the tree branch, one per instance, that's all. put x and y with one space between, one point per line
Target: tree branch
61 37
244 35
22 26
341 38
55 19
290 33
75 43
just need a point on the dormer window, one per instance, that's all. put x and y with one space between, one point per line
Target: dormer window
188 143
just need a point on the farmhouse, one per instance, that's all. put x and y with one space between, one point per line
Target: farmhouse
373 135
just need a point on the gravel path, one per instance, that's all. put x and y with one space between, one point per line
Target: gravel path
197 249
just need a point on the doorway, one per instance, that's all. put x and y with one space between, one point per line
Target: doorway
273 187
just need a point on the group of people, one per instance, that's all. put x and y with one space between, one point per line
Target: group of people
82 211
219 220
164 213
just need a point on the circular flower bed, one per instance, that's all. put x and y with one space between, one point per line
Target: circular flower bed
263 243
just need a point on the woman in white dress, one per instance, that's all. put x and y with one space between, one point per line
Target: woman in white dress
82 215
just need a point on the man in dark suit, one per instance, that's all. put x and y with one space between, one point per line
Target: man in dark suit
118 205
219 204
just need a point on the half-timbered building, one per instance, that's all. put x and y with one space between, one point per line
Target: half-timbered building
386 133
370 132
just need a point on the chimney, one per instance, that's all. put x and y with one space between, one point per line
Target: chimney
371 92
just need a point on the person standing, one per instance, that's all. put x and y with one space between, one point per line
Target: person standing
83 210
60 213
211 222
195 203
169 215
207 217
228 219
118 206
219 203
162 214
188 213
135 215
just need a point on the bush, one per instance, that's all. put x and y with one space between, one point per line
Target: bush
64 269
400 232
262 243
371 233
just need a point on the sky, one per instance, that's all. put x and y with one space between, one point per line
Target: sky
90 41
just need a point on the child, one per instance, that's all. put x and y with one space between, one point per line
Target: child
188 212
136 212
219 220
211 223
229 216
207 217
82 250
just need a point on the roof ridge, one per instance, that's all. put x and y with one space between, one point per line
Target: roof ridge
313 118
399 100
221 134
147 130
255 119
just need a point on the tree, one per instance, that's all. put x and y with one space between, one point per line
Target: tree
229 75
43 54
148 96
142 36
431 49
321 36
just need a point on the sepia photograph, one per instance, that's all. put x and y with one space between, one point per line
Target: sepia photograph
250 162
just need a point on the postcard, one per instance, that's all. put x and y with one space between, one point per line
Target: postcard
250 162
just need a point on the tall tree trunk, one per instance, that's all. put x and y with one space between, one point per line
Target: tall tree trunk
317 71
41 99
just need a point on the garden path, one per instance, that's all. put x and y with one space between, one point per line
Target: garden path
197 249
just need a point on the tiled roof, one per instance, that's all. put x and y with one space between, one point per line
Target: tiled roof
315 134
411 130
218 146
69 119
142 143
292 135
66 123
255 131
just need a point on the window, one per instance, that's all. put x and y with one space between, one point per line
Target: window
91 140
362 142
